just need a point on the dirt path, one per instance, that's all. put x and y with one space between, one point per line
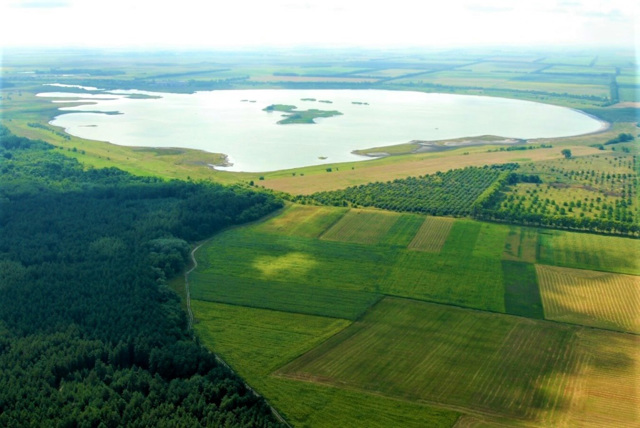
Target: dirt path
194 263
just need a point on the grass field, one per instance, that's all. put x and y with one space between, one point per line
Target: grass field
588 251
432 234
491 365
256 341
521 292
598 299
521 245
362 226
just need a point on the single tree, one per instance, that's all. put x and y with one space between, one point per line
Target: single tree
566 153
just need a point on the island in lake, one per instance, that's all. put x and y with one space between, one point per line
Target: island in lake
299 116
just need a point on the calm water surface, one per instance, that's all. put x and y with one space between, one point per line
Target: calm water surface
232 122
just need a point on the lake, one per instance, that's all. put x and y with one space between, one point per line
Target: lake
233 122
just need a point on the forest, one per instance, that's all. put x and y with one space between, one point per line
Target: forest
90 334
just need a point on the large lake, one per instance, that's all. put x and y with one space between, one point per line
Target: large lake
233 122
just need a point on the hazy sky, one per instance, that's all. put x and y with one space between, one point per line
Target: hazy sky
239 23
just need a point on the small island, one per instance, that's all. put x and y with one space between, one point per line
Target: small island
299 116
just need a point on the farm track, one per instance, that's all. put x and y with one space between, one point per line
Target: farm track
219 359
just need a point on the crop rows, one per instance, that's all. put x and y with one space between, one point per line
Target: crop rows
590 298
589 251
449 193
485 363
432 234
255 342
364 227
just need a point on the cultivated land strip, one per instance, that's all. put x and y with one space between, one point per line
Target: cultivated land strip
592 298
432 234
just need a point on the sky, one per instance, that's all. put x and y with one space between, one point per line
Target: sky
322 23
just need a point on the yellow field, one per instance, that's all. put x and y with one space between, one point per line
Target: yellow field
361 226
592 298
432 234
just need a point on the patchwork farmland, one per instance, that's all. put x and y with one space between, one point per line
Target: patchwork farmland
381 310
482 363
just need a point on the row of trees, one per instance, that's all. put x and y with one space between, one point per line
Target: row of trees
444 193
90 335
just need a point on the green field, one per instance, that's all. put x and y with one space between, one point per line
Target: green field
257 341
432 235
588 251
485 364
363 227
337 321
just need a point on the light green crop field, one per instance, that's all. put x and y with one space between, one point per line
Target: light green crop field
306 221
362 226
432 235
598 299
491 365
588 251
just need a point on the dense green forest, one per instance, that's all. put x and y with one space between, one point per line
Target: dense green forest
90 334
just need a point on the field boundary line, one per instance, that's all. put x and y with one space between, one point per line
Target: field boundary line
218 358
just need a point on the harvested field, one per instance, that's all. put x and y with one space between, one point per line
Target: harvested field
592 298
432 234
361 226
